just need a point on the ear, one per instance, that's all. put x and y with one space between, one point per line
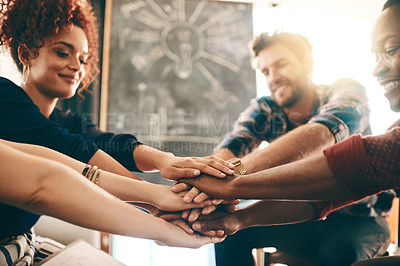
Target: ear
24 54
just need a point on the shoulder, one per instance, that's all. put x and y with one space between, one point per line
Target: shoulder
7 84
13 96
344 88
266 101
347 84
9 87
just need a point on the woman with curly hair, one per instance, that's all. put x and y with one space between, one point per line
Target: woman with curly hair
54 44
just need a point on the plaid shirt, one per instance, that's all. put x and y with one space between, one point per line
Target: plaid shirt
341 106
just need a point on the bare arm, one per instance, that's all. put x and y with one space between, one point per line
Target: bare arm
173 167
48 187
258 214
306 179
124 188
100 158
299 143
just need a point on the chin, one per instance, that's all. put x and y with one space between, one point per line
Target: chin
394 100
395 107
66 95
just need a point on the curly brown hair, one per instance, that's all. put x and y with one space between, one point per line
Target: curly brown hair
33 22
299 45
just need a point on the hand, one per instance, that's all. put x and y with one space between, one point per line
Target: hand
214 187
192 214
174 168
166 200
176 237
218 220
194 194
175 218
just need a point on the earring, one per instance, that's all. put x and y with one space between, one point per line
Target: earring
25 74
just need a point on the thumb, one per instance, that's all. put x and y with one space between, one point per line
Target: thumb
188 172
201 226
179 187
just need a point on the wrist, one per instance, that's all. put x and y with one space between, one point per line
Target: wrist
163 159
155 195
243 219
239 167
235 188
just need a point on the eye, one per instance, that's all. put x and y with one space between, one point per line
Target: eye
392 51
62 54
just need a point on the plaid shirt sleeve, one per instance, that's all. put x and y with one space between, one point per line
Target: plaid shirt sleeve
249 130
345 109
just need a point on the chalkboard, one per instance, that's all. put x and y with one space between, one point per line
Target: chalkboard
179 71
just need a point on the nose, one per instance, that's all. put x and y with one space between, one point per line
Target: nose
75 63
273 77
381 68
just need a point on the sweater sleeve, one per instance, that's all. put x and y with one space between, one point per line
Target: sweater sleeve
367 165
363 166
21 121
118 146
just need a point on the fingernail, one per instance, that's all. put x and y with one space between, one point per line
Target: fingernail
196 227
232 171
196 172
185 198
231 165
222 174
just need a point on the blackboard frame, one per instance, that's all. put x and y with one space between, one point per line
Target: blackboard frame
106 61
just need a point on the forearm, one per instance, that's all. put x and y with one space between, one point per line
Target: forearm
100 158
299 143
50 188
307 179
264 213
47 153
148 158
107 163
124 188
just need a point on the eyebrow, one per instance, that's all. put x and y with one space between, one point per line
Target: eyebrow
70 46
280 60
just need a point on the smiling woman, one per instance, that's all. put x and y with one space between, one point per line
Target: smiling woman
54 44
59 69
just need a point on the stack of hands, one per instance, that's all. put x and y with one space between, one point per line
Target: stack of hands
201 204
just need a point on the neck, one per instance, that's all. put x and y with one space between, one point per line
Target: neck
301 110
46 104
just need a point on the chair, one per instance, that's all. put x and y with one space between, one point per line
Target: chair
270 256
65 233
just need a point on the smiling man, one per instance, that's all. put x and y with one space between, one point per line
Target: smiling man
299 119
